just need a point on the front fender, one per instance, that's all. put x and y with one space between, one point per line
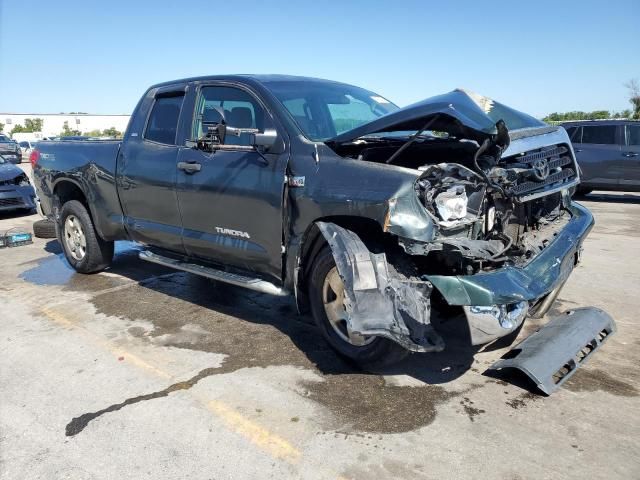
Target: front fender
379 301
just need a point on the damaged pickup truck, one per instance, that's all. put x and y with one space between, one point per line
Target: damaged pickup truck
376 218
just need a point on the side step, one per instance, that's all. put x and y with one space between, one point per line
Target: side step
256 284
552 354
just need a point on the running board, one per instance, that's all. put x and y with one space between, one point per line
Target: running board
552 354
256 284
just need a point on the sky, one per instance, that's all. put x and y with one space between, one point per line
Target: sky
536 56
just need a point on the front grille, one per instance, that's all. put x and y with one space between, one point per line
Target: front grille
10 202
561 169
557 177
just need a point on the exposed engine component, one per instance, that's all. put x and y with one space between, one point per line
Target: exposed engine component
483 225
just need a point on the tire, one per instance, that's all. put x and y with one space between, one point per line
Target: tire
374 352
84 249
44 229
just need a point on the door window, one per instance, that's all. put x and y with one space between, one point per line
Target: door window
240 109
162 125
599 134
633 135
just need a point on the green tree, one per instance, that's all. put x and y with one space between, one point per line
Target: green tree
30 125
634 97
67 132
33 124
1 126
112 132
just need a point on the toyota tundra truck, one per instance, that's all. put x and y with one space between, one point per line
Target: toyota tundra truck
376 218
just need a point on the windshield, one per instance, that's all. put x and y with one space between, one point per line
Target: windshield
323 110
4 138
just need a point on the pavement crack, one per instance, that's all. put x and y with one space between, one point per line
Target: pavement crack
78 424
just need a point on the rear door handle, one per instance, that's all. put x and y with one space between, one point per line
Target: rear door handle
629 154
189 167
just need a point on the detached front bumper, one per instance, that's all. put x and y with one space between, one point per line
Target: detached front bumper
509 285
17 197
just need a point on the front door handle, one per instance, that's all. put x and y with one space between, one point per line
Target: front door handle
189 167
629 154
577 150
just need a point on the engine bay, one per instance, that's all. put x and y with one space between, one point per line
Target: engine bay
489 210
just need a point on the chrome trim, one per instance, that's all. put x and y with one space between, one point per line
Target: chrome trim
488 323
526 144
256 284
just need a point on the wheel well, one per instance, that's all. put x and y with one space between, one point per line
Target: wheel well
66 191
369 231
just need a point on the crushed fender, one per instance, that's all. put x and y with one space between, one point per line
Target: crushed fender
380 301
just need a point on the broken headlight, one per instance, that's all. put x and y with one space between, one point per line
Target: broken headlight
452 203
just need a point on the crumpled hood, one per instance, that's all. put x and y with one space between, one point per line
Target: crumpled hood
461 113
9 171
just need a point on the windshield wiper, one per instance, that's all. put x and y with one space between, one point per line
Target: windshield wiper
412 139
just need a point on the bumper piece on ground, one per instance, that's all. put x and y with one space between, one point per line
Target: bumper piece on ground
552 354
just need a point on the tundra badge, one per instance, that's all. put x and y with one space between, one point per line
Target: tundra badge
233 233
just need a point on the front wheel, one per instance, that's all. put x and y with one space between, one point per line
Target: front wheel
326 295
84 249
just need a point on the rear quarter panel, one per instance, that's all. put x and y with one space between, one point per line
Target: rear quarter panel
91 166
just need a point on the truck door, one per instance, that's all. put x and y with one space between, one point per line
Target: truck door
231 200
147 173
631 158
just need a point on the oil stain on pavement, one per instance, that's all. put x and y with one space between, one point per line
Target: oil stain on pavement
78 424
255 330
592 379
252 330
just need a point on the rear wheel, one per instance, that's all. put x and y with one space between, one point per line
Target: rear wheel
84 249
326 295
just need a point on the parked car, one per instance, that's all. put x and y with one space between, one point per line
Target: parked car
26 147
16 191
374 217
9 149
608 152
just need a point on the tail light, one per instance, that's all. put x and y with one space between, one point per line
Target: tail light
34 157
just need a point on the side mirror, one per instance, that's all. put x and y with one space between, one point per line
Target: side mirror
264 140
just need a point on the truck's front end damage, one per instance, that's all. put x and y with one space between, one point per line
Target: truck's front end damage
488 223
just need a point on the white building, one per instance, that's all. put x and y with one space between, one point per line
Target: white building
53 123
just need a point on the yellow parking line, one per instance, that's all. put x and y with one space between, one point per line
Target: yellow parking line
118 352
259 436
270 443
